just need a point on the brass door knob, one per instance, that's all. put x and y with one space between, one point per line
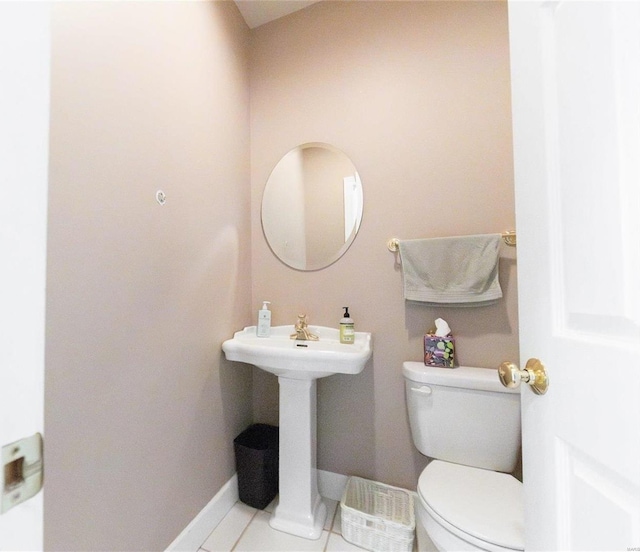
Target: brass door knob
534 374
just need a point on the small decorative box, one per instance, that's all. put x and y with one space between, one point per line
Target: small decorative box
439 351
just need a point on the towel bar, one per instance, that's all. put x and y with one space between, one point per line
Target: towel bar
508 237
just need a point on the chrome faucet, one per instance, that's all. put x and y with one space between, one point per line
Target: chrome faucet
302 331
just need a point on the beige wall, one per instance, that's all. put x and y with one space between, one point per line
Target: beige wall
417 94
141 407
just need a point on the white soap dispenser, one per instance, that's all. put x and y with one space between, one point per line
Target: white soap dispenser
264 320
347 331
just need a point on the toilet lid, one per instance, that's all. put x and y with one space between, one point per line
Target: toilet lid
484 504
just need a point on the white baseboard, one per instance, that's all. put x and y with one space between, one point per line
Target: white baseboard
330 485
207 520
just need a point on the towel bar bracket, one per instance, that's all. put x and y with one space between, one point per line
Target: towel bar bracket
393 245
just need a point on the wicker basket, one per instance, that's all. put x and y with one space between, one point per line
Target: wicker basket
377 517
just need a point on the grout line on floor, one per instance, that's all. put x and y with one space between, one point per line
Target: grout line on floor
333 521
246 527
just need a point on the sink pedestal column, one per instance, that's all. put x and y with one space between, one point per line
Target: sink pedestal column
300 509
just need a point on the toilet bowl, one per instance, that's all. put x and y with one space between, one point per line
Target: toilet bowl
465 508
470 426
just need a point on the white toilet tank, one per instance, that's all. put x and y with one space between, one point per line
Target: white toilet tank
463 415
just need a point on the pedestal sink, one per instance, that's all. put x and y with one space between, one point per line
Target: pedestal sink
298 364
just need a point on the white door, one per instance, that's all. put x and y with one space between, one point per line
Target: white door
576 108
24 122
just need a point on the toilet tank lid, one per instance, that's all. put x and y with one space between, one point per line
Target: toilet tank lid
465 377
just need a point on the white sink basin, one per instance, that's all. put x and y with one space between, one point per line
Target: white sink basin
291 358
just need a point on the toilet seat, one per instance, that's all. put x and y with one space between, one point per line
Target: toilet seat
477 505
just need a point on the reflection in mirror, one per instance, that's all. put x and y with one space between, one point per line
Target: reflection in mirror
312 206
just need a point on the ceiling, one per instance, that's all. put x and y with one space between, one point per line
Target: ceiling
259 12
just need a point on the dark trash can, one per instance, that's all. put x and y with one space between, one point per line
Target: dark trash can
256 450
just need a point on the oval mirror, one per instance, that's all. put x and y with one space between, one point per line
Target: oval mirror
312 206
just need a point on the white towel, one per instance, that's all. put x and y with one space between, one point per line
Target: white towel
457 272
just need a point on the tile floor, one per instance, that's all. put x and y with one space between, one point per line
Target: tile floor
245 529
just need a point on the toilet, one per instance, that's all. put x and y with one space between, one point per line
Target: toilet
469 425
